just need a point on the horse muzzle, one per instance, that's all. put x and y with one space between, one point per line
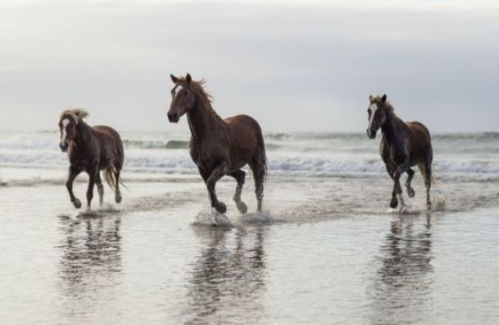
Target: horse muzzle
371 134
63 146
173 117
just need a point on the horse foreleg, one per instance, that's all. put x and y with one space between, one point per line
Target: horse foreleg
100 189
73 172
395 194
90 191
397 189
240 176
410 190
215 176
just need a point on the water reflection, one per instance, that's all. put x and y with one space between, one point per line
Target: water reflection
401 292
227 278
90 261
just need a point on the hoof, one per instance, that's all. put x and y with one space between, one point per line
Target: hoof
220 207
394 203
117 198
77 203
410 192
241 206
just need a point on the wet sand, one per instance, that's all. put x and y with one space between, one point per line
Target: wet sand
333 255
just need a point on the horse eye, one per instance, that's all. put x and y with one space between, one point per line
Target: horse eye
369 110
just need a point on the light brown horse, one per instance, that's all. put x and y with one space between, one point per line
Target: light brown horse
91 149
219 146
402 146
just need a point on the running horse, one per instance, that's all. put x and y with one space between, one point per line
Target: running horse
219 146
91 149
403 145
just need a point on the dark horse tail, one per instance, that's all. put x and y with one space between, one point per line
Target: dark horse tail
109 176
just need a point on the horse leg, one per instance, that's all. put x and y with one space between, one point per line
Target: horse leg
427 181
215 176
240 176
397 189
73 172
394 201
100 189
91 181
117 193
410 190
258 170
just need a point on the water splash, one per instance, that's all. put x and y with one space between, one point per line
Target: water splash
211 218
263 217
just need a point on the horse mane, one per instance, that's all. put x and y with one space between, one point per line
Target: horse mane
204 97
78 114
389 107
386 105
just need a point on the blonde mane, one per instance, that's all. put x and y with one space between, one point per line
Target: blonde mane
78 114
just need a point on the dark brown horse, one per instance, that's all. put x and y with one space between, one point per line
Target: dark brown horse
403 146
219 146
91 149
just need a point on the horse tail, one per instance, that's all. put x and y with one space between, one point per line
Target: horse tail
109 176
423 172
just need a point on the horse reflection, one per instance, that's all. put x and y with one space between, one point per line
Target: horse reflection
227 278
402 286
91 256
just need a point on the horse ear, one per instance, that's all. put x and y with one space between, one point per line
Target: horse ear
371 98
173 78
383 99
188 78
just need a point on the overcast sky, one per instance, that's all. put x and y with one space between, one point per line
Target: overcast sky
293 65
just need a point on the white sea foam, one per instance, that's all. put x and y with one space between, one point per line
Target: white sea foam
308 154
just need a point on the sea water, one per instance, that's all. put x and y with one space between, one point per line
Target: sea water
332 253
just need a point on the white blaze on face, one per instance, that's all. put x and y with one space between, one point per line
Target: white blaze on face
178 89
373 107
65 123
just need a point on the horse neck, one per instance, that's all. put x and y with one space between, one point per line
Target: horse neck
83 134
203 120
392 128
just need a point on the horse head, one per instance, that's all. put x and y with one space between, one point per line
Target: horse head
377 112
68 123
183 97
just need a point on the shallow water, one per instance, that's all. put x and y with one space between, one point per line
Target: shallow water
325 251
323 261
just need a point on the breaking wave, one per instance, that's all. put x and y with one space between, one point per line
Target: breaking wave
310 154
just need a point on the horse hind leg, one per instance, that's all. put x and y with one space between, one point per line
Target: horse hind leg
258 170
117 192
92 176
100 189
426 169
410 190
240 176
